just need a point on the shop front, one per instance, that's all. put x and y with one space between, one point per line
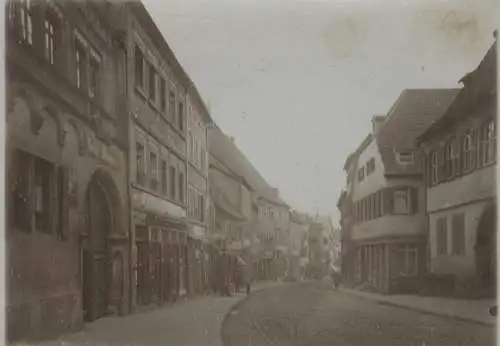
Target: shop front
162 258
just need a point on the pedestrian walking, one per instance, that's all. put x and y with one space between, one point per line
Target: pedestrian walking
336 278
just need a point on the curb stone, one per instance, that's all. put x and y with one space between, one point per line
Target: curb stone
409 307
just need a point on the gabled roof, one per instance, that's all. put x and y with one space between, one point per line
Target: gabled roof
480 83
408 118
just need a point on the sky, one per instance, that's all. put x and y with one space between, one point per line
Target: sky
297 82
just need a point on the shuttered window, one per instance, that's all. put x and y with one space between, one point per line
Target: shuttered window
458 228
441 236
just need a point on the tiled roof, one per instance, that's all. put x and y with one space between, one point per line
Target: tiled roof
409 117
223 149
479 83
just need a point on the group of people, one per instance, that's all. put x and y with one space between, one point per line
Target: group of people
231 282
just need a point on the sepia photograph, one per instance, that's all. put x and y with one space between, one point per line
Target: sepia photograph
251 172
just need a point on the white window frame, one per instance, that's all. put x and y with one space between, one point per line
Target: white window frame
26 21
405 158
468 151
434 160
50 40
488 143
405 210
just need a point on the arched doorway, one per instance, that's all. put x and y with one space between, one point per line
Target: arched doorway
97 271
486 249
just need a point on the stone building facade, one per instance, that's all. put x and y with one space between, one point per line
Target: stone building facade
67 231
460 151
198 120
155 87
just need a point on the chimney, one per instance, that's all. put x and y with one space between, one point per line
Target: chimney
377 122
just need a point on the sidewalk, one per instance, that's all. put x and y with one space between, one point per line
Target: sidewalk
194 322
468 310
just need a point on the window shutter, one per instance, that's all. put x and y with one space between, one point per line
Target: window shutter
414 200
63 224
389 200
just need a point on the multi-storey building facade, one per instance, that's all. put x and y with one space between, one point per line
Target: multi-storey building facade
389 222
273 227
460 150
231 196
156 87
67 229
198 119
345 206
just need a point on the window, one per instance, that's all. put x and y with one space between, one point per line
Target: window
87 62
181 116
94 69
139 67
152 83
19 170
172 182
370 166
434 158
401 202
448 160
81 65
405 157
50 40
201 201
458 229
164 177
441 236
42 195
181 187
38 195
408 259
361 174
468 151
153 166
139 148
171 104
488 143
26 21
163 95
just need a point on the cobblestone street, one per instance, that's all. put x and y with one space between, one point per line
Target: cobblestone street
310 314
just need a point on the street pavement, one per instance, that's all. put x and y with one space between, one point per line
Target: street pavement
194 322
307 314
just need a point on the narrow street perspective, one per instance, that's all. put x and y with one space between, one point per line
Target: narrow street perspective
320 315
264 172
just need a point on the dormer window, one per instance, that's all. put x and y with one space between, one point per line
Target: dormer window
404 157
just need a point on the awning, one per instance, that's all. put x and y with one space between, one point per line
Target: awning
220 202
166 221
